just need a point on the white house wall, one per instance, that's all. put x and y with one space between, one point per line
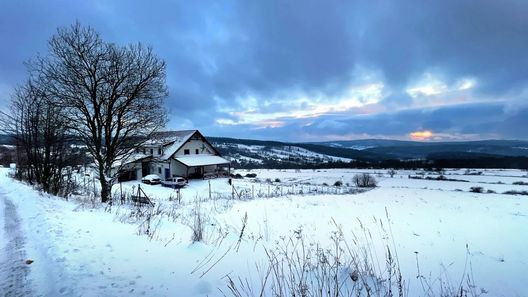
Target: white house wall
159 168
194 144
177 168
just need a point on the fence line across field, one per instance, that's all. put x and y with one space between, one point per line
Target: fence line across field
239 190
252 190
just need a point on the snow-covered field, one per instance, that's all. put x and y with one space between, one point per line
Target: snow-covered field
82 250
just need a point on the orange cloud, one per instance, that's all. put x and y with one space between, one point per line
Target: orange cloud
421 135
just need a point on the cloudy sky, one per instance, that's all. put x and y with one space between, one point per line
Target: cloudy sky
311 70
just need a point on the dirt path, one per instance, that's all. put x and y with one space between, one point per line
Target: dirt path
13 269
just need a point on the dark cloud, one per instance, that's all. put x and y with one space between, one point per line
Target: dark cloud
218 55
486 120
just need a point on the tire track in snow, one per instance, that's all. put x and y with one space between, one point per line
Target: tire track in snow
13 270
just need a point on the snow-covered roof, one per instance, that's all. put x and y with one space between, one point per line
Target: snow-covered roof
129 159
167 137
171 140
201 160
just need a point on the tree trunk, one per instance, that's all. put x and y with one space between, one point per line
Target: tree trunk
106 187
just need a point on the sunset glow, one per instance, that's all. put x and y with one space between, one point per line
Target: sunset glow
421 135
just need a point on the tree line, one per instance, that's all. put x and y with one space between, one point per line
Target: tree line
105 95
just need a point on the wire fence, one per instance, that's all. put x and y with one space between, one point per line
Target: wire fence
254 190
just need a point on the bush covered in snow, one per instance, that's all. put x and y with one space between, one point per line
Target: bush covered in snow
364 180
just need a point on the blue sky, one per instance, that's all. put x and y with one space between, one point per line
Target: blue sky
311 70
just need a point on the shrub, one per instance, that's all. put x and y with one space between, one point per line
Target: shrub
364 180
476 189
237 176
520 183
338 183
513 192
277 180
490 191
251 175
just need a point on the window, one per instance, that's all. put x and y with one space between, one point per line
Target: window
197 151
152 151
186 152
144 151
159 170
159 151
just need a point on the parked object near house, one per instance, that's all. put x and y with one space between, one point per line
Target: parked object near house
170 154
151 179
174 182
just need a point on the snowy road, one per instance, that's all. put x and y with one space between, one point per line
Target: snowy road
81 251
13 269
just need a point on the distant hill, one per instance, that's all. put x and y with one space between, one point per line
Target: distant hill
419 150
248 153
6 139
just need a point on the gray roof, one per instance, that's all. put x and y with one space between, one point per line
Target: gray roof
168 137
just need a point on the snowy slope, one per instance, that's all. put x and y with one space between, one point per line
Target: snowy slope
84 250
279 153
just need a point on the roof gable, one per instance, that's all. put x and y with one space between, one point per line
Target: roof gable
201 137
173 141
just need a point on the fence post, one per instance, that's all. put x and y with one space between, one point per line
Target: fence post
268 191
209 189
253 191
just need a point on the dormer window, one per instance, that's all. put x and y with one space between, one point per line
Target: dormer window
186 152
197 151
151 151
159 151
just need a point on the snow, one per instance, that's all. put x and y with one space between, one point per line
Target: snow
178 138
129 159
201 160
247 159
249 152
84 250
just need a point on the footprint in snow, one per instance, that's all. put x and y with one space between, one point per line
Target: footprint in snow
63 291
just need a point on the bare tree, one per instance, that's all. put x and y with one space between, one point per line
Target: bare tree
364 180
112 95
40 136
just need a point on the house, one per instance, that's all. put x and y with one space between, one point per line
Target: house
174 153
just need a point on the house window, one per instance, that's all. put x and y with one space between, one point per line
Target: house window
144 151
159 170
159 151
152 151
197 151
186 152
